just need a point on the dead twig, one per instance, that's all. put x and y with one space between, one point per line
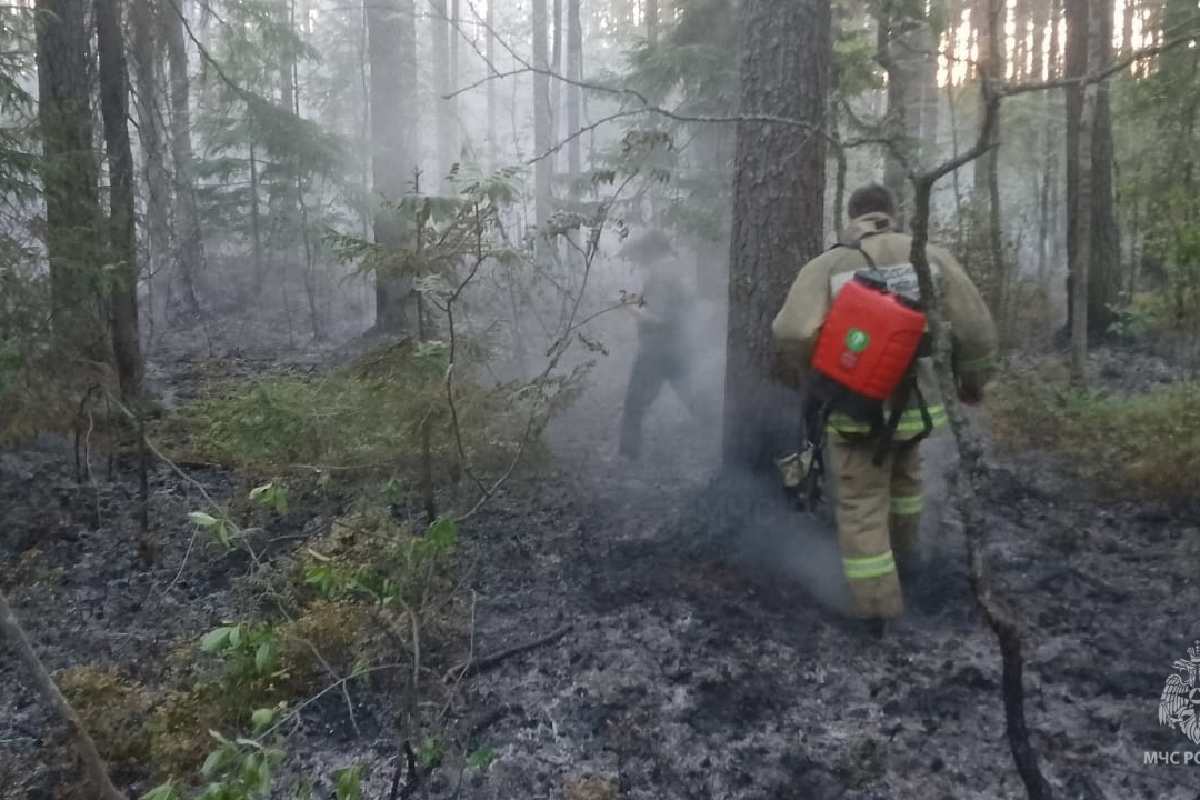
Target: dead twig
972 473
489 662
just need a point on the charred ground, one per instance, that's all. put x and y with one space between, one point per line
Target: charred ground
687 649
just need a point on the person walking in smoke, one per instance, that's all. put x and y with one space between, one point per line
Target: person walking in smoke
666 308
879 491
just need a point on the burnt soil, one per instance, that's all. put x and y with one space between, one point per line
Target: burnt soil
700 651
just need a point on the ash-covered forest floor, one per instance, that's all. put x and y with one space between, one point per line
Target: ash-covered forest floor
703 656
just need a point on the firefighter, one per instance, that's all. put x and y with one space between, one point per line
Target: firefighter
665 311
878 501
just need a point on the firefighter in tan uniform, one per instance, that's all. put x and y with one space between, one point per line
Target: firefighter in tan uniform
878 507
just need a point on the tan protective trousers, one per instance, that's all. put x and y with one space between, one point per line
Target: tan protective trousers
878 514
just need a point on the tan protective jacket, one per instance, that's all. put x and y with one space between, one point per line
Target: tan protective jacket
798 325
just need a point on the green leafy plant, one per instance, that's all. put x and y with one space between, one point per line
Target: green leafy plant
250 652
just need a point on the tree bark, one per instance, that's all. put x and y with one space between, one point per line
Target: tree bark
1084 241
69 177
440 33
574 75
1129 6
930 93
391 39
190 260
94 765
122 295
541 115
991 67
490 33
1103 248
455 30
556 66
150 113
778 213
899 40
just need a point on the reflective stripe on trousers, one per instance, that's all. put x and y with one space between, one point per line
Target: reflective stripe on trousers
910 421
870 567
906 506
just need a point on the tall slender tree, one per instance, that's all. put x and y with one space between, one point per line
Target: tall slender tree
541 112
190 236
1103 251
574 76
391 39
778 208
122 243
147 54
439 31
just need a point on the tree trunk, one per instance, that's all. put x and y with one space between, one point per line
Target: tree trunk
73 218
778 212
991 65
574 75
930 95
651 21
1083 256
899 45
1103 249
1054 153
390 41
191 247
455 29
490 33
440 32
556 55
146 53
541 114
114 104
1127 27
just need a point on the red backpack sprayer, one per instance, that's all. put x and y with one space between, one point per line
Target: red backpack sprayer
866 353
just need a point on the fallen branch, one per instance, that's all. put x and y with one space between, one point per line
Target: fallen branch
971 472
92 762
488 662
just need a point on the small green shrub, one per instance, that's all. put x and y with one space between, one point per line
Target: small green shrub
368 415
1129 446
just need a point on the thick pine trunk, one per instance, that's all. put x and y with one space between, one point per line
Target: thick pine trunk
391 39
778 212
122 295
73 218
